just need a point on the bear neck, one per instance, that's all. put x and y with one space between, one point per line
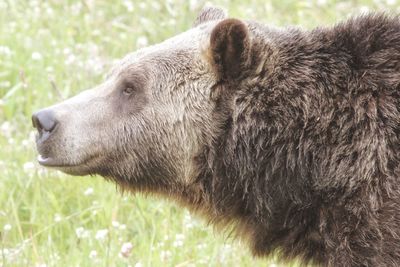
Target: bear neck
251 171
253 176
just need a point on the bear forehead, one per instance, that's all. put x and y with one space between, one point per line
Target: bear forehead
190 43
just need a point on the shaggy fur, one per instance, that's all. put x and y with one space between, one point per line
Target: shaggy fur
308 163
291 137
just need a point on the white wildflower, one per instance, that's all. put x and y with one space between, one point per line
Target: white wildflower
141 42
67 51
194 4
49 11
28 166
177 243
57 217
93 254
115 224
7 227
138 264
88 191
96 32
5 128
178 240
25 142
101 234
36 56
81 232
76 9
129 5
188 221
165 255
179 236
201 246
225 250
70 59
126 249
5 50
94 65
142 5
155 6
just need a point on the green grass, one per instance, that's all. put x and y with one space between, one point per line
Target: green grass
50 50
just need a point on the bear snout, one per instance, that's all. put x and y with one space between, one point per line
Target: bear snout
45 122
44 119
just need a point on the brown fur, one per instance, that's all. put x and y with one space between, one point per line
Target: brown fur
291 137
229 45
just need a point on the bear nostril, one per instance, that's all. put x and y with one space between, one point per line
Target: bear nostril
44 120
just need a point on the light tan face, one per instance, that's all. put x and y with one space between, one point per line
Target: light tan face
151 115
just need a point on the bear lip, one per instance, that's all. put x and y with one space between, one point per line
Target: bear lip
47 161
52 162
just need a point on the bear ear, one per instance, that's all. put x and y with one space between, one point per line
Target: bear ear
229 48
209 13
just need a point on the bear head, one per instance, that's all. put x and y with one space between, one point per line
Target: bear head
156 110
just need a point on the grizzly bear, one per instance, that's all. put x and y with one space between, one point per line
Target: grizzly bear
290 136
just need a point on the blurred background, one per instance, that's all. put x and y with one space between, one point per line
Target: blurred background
50 50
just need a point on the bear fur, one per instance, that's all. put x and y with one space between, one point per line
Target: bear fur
299 143
309 157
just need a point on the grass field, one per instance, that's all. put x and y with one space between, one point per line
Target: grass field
49 50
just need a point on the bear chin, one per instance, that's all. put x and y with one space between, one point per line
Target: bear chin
84 167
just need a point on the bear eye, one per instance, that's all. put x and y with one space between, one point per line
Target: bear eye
128 90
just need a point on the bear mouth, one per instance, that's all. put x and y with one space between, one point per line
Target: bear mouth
52 162
68 167
49 156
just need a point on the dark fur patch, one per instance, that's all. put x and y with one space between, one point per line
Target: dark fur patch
307 162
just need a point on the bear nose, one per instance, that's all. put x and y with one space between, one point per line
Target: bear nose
44 120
